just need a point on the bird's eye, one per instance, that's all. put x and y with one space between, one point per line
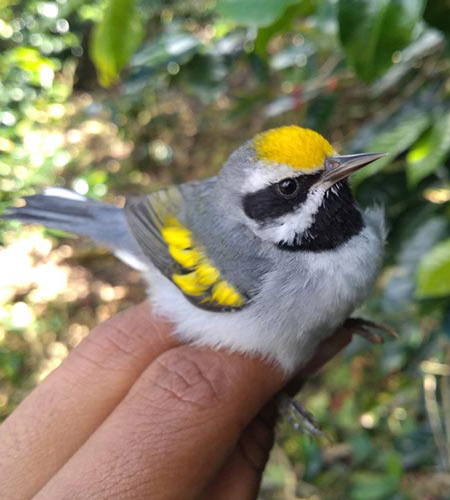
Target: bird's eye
288 188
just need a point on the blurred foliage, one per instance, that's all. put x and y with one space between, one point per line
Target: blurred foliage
371 32
115 38
114 97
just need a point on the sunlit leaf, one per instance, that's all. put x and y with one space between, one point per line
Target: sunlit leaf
433 276
253 12
173 46
40 70
372 31
115 38
394 141
429 152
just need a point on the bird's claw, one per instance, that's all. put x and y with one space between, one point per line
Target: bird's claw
300 418
365 328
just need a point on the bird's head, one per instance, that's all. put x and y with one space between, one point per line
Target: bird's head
290 187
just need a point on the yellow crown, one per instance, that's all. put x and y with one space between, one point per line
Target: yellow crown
297 147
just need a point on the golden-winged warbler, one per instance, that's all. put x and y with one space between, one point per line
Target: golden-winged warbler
268 258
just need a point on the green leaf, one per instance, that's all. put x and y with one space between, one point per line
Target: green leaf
393 464
371 486
253 12
417 234
429 152
393 141
281 25
433 276
371 31
437 14
115 38
362 446
312 459
10 365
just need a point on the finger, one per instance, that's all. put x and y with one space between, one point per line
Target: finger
174 430
64 410
240 477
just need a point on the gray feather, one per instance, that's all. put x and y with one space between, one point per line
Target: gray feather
231 246
145 216
66 211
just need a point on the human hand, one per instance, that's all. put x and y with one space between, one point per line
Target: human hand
132 414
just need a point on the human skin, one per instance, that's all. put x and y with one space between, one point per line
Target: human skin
132 414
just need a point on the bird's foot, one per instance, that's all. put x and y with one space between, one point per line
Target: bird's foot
370 330
300 418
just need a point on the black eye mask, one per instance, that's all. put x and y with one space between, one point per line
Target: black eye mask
269 203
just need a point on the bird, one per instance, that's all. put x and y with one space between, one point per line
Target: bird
268 258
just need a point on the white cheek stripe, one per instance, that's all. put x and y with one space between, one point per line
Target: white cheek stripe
285 228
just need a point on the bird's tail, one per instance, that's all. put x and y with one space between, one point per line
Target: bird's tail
59 208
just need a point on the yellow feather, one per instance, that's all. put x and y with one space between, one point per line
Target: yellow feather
224 294
204 276
297 147
187 258
207 273
189 284
177 236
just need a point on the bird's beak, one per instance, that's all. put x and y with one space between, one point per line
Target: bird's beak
339 167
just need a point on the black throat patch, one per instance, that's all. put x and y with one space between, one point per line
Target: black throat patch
337 220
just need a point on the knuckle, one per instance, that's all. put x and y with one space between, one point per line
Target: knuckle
107 351
188 377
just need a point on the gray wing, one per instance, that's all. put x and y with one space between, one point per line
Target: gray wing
146 217
158 223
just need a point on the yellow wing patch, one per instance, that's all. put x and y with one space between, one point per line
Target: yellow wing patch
223 293
203 281
297 147
188 257
176 236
